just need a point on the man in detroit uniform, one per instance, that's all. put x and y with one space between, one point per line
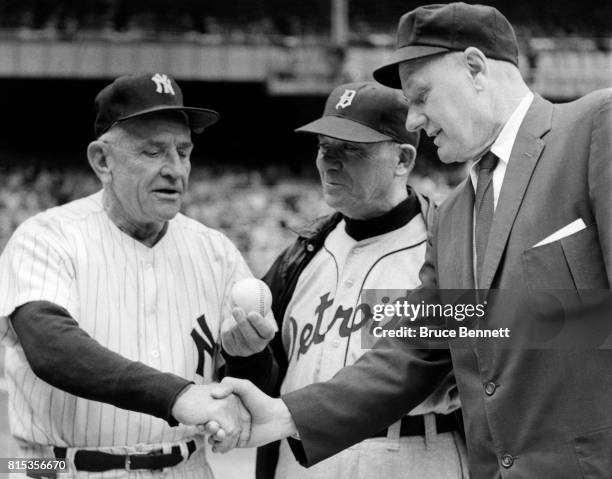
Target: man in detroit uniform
101 295
375 240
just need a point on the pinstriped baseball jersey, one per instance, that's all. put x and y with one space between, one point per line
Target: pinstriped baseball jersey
162 306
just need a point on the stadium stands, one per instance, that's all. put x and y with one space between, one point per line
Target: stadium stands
257 211
256 216
267 19
566 49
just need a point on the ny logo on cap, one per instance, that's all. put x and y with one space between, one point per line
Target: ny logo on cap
162 83
346 99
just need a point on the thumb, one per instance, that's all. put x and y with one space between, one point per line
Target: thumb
221 391
240 387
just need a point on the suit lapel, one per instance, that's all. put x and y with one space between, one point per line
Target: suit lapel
526 152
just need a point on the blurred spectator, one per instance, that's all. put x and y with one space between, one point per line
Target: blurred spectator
248 19
255 215
258 211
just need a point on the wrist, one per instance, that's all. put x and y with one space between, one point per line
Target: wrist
176 405
284 419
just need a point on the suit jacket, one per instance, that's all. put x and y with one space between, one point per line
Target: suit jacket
529 413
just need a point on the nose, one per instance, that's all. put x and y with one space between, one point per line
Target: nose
174 167
330 158
415 120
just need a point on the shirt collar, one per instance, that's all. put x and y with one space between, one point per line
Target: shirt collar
503 144
393 219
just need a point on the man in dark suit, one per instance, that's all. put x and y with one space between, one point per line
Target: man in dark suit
532 215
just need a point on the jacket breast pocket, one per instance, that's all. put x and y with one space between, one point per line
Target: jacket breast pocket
594 453
574 262
584 256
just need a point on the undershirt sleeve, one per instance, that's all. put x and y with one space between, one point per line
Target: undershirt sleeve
66 357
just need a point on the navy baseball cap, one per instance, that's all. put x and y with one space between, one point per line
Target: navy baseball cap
364 112
441 28
131 96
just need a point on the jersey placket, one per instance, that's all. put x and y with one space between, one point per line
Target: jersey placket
335 345
149 341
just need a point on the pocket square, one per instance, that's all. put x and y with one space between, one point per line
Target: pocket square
567 230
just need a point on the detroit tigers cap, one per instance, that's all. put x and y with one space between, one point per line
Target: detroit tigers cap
364 112
441 28
131 96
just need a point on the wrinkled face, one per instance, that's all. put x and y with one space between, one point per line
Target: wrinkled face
150 168
445 100
357 178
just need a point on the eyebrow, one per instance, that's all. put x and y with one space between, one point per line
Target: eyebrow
419 91
163 144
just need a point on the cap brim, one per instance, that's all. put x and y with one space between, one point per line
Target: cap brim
343 129
199 118
388 74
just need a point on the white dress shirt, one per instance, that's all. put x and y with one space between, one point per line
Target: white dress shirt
502 147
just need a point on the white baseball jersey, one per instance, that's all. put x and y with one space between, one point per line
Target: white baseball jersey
322 333
162 306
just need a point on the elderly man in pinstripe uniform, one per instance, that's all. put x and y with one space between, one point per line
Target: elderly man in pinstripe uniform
101 295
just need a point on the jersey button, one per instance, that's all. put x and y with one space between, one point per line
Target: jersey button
336 343
155 353
348 283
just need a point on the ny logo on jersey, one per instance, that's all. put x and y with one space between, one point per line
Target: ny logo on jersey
203 344
162 83
346 99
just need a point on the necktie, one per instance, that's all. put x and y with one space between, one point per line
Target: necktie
483 205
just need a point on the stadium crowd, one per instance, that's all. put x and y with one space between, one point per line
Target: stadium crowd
257 211
257 216
266 21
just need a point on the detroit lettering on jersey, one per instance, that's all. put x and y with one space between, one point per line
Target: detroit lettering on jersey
350 321
320 330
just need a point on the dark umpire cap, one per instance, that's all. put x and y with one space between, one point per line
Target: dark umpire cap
441 28
131 96
364 112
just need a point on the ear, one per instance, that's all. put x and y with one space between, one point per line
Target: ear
407 159
476 62
98 155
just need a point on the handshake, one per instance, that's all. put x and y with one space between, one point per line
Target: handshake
235 413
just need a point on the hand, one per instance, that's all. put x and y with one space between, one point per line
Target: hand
195 405
246 335
270 418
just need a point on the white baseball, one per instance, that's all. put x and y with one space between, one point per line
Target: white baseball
252 294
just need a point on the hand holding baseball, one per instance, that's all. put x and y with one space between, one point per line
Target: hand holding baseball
253 324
